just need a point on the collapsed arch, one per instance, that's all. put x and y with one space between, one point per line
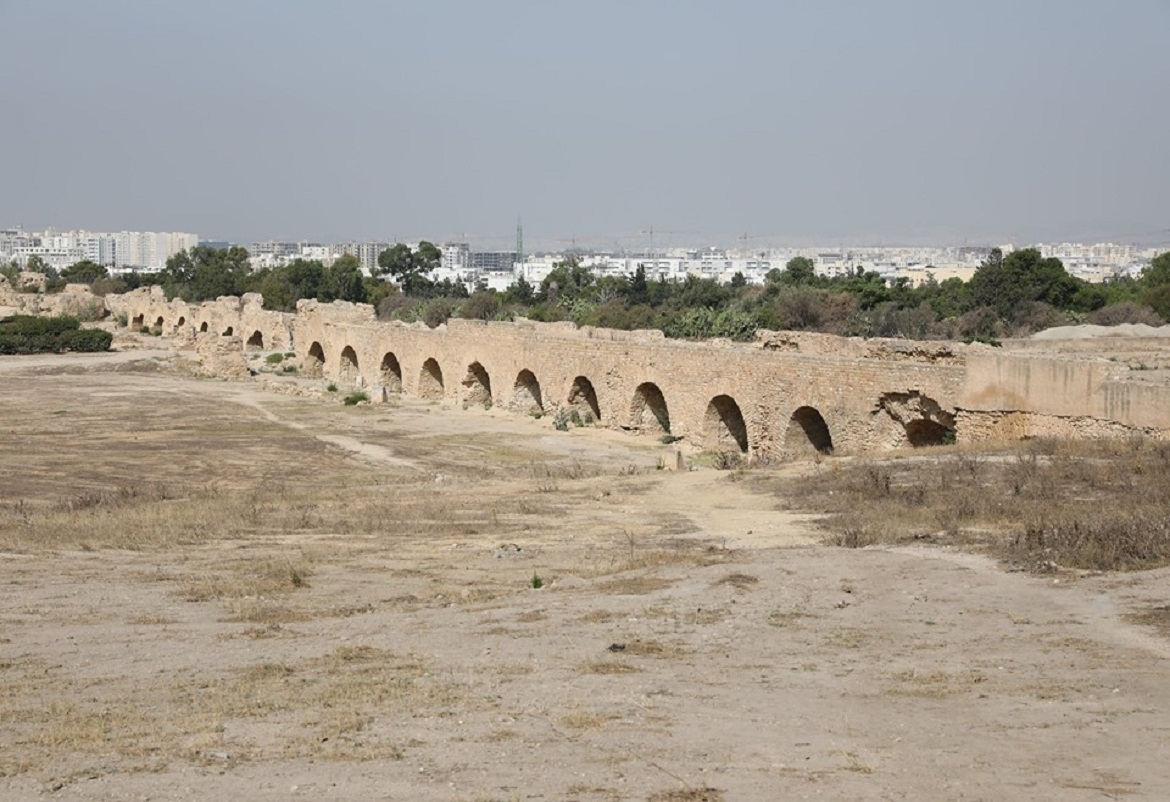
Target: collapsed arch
203 327
723 426
180 322
159 322
315 361
648 411
807 431
390 373
526 393
583 398
256 340
479 387
430 381
138 321
348 368
229 331
923 432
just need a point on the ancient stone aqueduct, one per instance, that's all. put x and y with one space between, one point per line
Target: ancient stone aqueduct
784 393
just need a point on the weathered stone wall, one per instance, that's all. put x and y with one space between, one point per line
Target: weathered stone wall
787 392
1064 388
715 394
245 318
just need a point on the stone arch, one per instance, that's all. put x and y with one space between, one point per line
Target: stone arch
349 372
723 426
583 399
923 432
159 322
807 431
390 373
315 361
479 387
181 321
256 340
648 411
203 327
526 393
138 321
229 331
430 381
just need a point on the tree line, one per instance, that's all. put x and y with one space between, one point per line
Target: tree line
1009 295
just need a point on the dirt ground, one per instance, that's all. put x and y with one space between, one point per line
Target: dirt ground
209 590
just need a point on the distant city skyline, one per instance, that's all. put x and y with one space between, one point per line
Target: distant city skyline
905 121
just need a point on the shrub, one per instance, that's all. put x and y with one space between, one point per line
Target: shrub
561 421
331 388
289 369
274 359
122 320
26 334
357 397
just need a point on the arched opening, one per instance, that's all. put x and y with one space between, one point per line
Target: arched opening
526 393
315 362
648 412
430 381
583 400
723 426
158 323
256 340
391 374
138 321
924 432
181 322
203 326
229 331
349 372
807 431
479 387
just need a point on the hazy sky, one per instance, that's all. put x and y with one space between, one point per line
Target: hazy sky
874 121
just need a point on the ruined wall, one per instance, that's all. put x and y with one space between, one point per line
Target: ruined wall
1028 394
245 318
784 394
713 394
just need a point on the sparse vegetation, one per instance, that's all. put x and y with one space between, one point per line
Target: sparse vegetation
1100 505
274 359
357 397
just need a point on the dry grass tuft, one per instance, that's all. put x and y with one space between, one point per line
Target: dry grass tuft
688 795
1158 618
739 581
653 648
1044 504
610 667
934 684
586 719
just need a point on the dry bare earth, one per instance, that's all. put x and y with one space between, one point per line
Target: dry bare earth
212 591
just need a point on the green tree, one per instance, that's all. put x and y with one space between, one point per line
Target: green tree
1007 284
1158 273
36 264
410 268
204 273
84 272
521 292
638 291
343 281
799 272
